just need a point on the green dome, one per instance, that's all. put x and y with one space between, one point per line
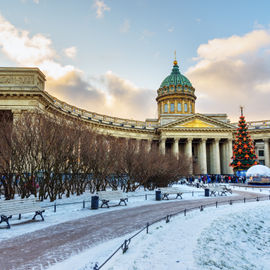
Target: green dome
175 78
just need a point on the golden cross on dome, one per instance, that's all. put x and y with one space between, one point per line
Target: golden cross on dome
175 61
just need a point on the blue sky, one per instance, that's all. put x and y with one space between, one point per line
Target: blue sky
111 56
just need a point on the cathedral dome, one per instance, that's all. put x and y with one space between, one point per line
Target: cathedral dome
176 95
175 78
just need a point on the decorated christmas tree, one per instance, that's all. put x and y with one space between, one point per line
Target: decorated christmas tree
243 149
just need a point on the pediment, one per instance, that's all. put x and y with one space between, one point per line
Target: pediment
198 121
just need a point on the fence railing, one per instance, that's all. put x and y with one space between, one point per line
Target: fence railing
125 245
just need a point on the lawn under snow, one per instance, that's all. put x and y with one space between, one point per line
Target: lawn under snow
233 237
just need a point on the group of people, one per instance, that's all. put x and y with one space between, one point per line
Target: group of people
217 178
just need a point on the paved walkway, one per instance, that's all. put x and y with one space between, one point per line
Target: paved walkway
39 249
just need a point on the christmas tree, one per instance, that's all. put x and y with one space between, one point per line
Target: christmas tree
243 149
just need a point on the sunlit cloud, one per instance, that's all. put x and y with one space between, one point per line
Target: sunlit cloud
233 71
100 7
107 94
71 52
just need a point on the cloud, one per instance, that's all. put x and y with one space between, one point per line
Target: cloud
36 1
71 52
233 71
108 94
100 7
171 29
114 96
124 28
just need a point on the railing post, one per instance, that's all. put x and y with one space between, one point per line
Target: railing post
167 219
216 204
185 211
147 227
257 199
83 204
201 208
230 202
145 196
192 193
244 200
54 207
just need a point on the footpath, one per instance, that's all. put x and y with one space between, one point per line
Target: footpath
42 248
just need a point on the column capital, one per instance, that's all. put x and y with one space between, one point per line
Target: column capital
216 140
162 139
189 139
203 140
176 139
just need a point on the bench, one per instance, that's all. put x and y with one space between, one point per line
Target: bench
170 190
219 190
18 207
113 195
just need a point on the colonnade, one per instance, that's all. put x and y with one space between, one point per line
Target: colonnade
213 155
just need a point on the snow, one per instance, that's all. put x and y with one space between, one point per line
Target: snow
72 208
229 237
258 170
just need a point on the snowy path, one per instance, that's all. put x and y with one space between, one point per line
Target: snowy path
42 248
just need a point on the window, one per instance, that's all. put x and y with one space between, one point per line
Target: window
191 108
179 107
261 153
185 107
166 108
172 107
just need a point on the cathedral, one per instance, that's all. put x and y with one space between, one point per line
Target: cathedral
206 138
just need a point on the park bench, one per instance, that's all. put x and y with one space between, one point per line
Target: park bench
170 190
219 190
9 208
112 195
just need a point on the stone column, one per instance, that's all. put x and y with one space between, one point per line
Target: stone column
202 156
216 157
266 152
162 146
176 147
148 145
224 158
229 154
188 153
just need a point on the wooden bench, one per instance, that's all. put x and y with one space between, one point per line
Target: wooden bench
18 207
165 192
114 195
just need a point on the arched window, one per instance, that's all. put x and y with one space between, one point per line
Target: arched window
185 107
179 107
172 107
166 108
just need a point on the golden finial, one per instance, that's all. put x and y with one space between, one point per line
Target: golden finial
175 61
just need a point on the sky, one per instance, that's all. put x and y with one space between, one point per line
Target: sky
110 57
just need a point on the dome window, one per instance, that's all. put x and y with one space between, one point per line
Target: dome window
166 108
179 107
172 107
186 108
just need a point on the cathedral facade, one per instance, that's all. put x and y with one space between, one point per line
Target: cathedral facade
206 138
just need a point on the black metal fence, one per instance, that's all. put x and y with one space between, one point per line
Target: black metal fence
125 245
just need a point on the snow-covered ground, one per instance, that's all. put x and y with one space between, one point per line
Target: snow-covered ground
72 208
230 237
